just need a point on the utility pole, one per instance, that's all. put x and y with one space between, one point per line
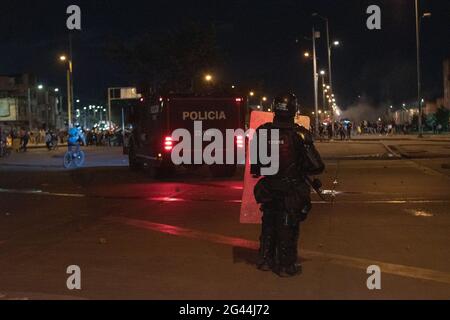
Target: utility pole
30 116
419 84
316 83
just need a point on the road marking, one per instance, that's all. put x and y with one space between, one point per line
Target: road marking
175 199
42 193
352 262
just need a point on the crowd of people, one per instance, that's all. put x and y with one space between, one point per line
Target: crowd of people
345 130
20 139
340 130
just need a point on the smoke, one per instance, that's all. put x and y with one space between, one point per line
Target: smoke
362 111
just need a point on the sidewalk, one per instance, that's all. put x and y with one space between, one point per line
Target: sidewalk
401 137
43 145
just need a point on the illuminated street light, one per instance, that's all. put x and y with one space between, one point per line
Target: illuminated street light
306 54
322 73
56 90
68 60
252 94
40 87
208 78
336 43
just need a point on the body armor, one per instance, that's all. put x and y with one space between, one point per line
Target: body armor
285 197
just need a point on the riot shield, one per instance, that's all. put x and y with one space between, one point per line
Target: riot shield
250 213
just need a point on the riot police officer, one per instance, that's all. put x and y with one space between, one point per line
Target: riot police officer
285 197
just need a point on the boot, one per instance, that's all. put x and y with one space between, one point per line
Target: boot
289 271
267 242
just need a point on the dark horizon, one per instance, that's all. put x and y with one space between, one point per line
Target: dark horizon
257 41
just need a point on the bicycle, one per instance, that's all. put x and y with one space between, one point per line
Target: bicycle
52 145
74 159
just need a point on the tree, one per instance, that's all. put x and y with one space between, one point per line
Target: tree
172 60
442 117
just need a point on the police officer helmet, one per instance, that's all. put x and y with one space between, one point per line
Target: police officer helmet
285 105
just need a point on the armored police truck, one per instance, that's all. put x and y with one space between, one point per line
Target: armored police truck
154 121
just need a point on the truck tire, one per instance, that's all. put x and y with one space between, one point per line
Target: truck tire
223 171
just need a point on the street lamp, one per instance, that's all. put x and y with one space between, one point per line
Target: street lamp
335 43
324 90
419 83
315 35
65 59
208 78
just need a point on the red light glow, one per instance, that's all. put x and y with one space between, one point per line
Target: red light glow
240 141
168 144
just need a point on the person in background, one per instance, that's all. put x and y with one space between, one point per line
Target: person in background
349 130
24 139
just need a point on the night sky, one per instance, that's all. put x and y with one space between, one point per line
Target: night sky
257 40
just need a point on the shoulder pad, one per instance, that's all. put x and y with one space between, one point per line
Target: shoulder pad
267 126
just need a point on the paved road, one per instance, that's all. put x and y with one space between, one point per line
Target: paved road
181 239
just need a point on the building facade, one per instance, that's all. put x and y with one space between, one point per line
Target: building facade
25 105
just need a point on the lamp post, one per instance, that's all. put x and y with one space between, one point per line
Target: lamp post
329 47
419 84
316 82
69 87
250 95
419 71
324 89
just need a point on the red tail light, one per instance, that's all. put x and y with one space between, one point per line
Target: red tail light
168 144
240 141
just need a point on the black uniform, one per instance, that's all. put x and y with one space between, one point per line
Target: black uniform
285 197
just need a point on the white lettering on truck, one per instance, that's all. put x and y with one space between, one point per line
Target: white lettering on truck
204 115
